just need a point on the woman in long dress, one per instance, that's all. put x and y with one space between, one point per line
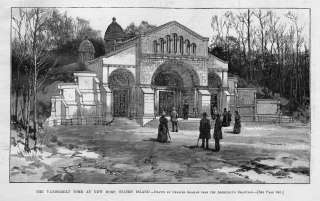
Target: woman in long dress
217 135
237 123
163 129
225 118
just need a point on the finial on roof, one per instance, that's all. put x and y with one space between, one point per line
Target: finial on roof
113 19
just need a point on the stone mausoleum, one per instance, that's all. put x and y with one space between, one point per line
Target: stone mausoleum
168 66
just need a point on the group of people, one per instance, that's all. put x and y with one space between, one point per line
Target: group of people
204 128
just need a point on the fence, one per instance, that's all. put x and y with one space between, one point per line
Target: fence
93 120
267 118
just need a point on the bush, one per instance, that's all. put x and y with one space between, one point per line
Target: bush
59 143
53 138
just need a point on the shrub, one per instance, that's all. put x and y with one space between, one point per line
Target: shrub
53 138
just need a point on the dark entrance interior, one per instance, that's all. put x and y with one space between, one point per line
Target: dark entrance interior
169 86
166 101
121 82
121 102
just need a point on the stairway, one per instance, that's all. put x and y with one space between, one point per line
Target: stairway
190 124
123 122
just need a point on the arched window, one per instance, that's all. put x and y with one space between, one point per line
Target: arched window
168 44
187 47
181 44
155 47
175 41
193 48
161 45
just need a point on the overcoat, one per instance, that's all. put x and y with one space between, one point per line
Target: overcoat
174 116
217 129
204 129
225 119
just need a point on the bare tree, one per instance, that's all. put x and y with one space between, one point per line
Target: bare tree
19 45
263 21
35 43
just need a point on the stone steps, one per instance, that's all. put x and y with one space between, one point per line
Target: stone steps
124 122
192 124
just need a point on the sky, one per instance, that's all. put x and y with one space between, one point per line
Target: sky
199 20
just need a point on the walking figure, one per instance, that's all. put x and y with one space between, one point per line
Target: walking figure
174 120
229 115
217 133
205 131
163 130
237 123
225 118
185 110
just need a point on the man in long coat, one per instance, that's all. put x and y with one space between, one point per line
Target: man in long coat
174 120
204 129
217 133
185 110
229 118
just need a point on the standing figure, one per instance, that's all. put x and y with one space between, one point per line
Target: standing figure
163 129
205 130
229 117
213 111
217 133
185 110
174 120
225 118
237 123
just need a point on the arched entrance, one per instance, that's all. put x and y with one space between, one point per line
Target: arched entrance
175 85
214 85
121 83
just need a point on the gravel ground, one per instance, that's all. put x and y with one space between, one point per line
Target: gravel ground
127 153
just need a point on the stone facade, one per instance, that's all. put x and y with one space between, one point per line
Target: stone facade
166 67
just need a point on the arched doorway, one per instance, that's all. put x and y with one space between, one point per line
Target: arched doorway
175 85
121 83
214 85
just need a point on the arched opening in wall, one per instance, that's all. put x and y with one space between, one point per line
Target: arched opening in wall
181 44
121 83
175 42
155 47
187 44
168 43
175 86
193 48
162 45
214 84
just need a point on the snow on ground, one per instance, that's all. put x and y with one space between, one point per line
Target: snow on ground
124 152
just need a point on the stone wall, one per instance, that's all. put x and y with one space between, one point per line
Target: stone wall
267 107
246 103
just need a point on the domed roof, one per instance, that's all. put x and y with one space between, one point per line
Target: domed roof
114 31
86 46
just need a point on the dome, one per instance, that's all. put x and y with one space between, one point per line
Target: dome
114 31
86 46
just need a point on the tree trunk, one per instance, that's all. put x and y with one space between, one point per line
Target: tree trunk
17 96
35 103
26 145
251 71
